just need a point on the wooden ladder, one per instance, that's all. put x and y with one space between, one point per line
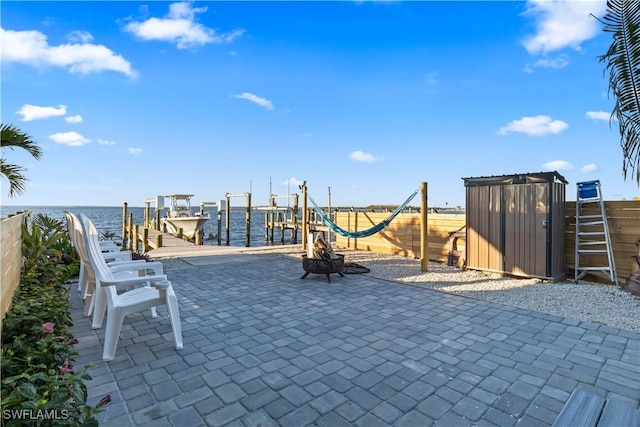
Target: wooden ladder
592 232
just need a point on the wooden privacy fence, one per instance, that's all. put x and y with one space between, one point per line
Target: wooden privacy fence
402 236
11 261
624 228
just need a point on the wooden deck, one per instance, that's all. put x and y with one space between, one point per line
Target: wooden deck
173 247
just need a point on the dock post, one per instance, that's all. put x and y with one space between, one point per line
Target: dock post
227 221
136 229
147 214
424 246
124 224
158 241
198 237
145 239
305 216
179 234
130 231
219 226
248 219
294 220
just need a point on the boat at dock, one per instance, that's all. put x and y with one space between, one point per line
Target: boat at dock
180 216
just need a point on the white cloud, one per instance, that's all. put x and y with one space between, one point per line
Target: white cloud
255 99
72 139
562 24
534 126
73 119
105 142
33 112
361 156
179 27
557 165
78 56
589 168
557 63
134 151
598 115
293 182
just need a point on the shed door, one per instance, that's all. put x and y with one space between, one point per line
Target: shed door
525 240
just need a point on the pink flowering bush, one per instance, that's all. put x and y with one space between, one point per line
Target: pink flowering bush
40 385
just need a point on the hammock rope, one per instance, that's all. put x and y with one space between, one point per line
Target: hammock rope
362 233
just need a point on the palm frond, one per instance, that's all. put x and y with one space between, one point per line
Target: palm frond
12 137
622 61
14 174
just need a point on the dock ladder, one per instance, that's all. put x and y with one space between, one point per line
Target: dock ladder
592 231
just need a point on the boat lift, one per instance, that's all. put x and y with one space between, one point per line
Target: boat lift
220 205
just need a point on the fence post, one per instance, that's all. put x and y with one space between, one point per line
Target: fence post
424 230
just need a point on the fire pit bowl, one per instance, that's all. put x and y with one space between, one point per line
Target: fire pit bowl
323 266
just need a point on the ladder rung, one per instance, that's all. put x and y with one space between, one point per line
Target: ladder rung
592 251
589 216
591 233
594 269
584 224
589 199
591 243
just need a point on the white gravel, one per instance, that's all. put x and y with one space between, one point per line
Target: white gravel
587 301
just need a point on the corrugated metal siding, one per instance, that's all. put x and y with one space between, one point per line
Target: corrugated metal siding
516 226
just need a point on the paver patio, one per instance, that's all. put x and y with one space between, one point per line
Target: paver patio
263 347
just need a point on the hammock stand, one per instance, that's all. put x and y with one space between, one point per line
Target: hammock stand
424 260
362 233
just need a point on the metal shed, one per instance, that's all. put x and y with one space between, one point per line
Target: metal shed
516 224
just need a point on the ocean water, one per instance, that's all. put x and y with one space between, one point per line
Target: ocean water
109 218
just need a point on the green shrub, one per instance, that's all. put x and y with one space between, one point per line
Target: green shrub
40 385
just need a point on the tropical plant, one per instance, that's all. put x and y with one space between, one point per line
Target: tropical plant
11 137
46 251
622 60
40 385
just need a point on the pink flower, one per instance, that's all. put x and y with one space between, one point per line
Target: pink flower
48 327
64 369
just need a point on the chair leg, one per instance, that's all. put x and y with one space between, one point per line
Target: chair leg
115 319
99 308
81 278
154 312
174 317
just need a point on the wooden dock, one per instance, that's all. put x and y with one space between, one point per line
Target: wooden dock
174 247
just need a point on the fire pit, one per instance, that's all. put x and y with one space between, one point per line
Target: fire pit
323 266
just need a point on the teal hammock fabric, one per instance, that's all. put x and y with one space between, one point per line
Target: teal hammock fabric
362 233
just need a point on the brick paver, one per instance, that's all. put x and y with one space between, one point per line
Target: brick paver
262 347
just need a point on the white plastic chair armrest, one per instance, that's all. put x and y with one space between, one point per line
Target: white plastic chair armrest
117 256
126 282
138 265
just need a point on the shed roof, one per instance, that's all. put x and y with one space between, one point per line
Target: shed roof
520 178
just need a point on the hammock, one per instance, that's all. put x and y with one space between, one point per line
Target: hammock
362 233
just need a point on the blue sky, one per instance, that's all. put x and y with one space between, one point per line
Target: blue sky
134 99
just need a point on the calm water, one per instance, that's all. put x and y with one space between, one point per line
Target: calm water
110 219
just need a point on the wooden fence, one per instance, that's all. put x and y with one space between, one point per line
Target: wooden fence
11 261
402 236
624 228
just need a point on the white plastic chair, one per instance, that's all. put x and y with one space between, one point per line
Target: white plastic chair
112 254
153 291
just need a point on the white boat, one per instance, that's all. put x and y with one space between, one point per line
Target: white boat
180 216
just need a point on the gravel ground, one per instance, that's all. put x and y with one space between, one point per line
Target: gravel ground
587 301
